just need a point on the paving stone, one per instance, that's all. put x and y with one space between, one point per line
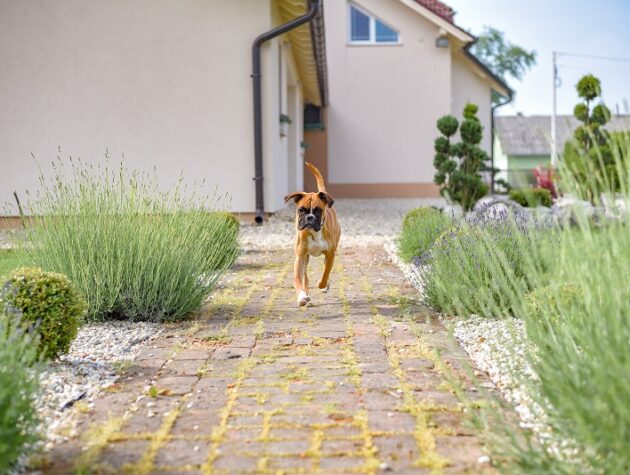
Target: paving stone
398 451
341 446
117 454
193 354
379 381
229 353
243 341
301 465
199 423
341 463
391 421
182 368
176 385
182 452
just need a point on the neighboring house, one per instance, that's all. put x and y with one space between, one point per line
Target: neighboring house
168 84
395 67
521 143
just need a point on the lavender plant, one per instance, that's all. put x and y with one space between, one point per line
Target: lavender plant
134 251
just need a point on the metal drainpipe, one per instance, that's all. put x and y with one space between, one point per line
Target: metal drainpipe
496 106
313 9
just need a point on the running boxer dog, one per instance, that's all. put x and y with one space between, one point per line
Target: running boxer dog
318 233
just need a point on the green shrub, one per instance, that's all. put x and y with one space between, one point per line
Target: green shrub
420 228
531 197
458 165
47 301
18 386
134 251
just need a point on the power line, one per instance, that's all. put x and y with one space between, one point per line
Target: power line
588 68
592 56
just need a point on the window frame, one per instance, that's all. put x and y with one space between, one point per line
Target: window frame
372 26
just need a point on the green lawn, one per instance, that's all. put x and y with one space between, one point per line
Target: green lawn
11 259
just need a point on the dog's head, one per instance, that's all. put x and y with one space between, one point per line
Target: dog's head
310 208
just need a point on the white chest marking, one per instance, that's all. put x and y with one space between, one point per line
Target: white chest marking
316 244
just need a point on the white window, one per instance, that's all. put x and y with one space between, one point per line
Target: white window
366 29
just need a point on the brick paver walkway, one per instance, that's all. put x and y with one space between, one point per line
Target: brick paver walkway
361 382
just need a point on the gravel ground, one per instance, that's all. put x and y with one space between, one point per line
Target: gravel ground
363 222
90 366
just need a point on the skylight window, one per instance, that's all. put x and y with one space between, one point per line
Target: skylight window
366 29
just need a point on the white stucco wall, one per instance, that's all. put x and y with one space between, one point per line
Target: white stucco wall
166 83
384 99
468 86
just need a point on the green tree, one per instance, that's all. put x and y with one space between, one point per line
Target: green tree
458 165
589 156
503 58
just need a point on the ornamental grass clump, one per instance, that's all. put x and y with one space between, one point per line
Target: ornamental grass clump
49 303
463 278
578 327
18 387
134 250
421 227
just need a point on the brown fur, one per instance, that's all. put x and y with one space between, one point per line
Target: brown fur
309 242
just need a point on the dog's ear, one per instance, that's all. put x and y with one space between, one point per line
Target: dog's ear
326 198
295 196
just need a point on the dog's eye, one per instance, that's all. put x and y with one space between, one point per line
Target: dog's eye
317 211
302 210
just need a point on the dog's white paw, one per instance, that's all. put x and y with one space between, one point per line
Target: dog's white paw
327 288
303 298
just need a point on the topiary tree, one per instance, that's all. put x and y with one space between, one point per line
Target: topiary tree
458 165
47 301
589 157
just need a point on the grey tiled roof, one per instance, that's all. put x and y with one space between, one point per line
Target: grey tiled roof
531 135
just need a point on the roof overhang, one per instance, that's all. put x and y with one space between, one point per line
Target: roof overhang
463 41
309 50
450 28
497 84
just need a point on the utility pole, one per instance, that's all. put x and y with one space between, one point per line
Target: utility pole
554 157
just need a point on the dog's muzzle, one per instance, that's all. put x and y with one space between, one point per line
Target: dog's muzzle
309 221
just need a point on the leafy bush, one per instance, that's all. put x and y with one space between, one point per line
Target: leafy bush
464 277
48 302
18 386
421 227
134 251
531 197
458 166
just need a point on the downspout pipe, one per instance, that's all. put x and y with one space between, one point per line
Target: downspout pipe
313 9
492 109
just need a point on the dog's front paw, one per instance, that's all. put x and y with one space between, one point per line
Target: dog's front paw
303 298
324 288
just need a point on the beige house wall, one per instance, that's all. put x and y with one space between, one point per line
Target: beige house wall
384 99
165 83
468 86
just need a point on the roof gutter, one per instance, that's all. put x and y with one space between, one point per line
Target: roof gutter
313 9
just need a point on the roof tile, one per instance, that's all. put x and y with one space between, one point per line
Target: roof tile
531 135
439 8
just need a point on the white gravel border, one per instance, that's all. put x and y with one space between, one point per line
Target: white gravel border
89 367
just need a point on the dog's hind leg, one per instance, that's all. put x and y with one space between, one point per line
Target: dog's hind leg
324 281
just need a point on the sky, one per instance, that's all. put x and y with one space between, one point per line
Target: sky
595 27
